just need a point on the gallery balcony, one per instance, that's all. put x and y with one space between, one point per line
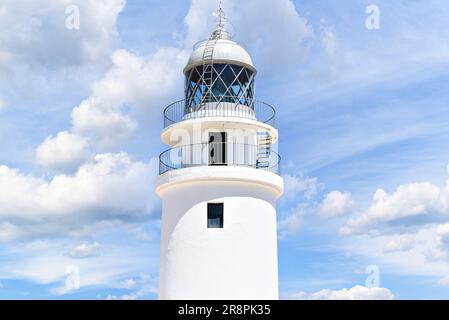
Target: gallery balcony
219 154
180 111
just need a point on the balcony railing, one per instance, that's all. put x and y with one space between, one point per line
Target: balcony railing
261 111
219 154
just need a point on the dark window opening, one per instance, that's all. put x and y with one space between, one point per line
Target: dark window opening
217 148
215 215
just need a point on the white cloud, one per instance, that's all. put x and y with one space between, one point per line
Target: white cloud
443 232
416 261
46 263
403 230
411 204
301 197
43 64
296 185
86 250
34 33
355 293
110 188
133 86
401 244
143 83
106 125
66 150
336 204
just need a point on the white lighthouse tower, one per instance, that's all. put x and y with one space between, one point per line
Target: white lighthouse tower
219 181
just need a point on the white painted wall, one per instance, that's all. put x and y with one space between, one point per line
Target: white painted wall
193 131
236 262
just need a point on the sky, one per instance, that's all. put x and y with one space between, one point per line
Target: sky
362 114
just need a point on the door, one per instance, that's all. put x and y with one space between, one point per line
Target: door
217 148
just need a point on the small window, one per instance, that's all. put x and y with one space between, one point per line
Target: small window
215 215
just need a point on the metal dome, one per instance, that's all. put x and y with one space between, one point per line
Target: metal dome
225 51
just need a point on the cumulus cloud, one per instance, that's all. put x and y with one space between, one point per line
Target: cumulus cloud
86 250
66 150
407 228
301 196
401 244
110 188
296 185
142 82
106 125
355 293
336 204
134 85
46 262
410 205
29 26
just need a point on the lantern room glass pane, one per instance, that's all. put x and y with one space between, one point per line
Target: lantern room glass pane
226 83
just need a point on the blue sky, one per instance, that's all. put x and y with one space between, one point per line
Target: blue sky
362 114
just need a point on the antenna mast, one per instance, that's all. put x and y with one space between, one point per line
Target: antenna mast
221 15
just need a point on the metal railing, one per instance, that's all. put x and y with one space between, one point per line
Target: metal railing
178 111
219 154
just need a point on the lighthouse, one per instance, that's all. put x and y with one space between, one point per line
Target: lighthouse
219 181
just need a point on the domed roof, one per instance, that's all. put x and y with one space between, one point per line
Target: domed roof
224 51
